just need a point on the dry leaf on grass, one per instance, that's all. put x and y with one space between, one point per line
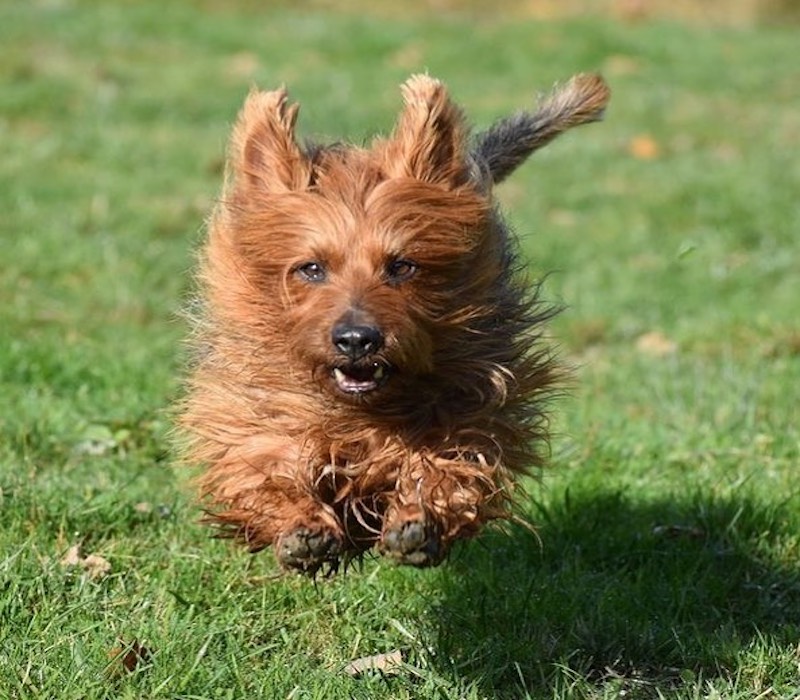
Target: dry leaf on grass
93 564
672 531
385 663
72 557
644 147
128 656
656 344
96 566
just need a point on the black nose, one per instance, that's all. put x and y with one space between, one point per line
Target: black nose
356 341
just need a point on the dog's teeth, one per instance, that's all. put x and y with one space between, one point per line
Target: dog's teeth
338 375
359 381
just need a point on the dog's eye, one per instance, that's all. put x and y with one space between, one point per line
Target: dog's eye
400 270
312 272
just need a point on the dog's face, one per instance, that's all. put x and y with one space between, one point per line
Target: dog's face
366 259
369 285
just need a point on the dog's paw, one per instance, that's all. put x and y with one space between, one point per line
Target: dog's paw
414 542
308 551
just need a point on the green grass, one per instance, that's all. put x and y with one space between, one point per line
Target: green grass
667 562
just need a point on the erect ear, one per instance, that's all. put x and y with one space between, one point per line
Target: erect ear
263 152
429 140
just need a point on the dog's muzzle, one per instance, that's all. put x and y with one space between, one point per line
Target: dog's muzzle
357 343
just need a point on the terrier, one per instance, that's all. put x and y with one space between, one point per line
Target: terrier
370 370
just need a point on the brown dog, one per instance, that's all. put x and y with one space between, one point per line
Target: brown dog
369 368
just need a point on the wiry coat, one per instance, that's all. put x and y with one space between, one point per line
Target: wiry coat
414 442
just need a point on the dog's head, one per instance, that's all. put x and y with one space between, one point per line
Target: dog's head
369 271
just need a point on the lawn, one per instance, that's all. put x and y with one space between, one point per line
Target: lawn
666 561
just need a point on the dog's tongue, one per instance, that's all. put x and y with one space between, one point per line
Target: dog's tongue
357 380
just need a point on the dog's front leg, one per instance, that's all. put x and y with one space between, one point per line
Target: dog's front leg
438 500
272 497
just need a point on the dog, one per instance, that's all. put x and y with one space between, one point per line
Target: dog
369 363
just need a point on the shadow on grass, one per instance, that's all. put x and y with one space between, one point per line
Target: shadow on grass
642 595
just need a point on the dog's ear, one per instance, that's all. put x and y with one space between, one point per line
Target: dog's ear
264 154
429 140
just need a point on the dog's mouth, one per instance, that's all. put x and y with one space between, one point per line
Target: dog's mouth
360 379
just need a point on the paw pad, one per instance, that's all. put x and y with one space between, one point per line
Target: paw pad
415 542
307 551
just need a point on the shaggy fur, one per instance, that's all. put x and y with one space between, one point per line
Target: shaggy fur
369 368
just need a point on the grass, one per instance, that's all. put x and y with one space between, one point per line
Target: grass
667 562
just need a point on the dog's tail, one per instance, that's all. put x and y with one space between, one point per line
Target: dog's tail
506 144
